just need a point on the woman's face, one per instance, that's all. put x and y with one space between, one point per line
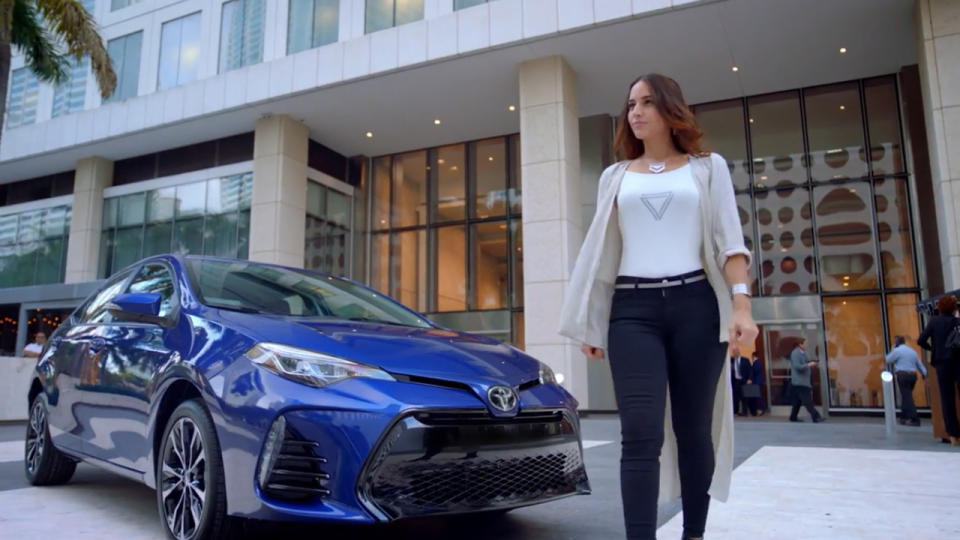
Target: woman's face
642 113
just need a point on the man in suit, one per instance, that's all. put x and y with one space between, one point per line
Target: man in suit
740 373
800 380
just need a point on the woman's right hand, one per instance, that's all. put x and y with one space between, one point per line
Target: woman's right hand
593 353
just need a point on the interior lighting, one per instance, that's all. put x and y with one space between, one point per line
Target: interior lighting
436 121
369 134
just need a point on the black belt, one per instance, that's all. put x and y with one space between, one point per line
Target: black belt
630 282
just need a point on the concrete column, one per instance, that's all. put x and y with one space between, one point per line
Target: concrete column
939 33
552 214
83 247
278 211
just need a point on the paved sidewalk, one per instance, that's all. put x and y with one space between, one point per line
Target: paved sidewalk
788 478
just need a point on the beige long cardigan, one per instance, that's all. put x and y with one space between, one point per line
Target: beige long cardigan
586 309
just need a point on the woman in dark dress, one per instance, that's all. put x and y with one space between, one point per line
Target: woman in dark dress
945 360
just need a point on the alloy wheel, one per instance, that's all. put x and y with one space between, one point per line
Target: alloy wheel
36 442
183 479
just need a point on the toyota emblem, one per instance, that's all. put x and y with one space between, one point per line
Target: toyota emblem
503 398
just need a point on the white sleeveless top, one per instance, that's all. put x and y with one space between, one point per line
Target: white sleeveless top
660 223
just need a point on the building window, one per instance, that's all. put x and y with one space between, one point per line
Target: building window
125 56
179 51
119 4
69 96
33 246
22 101
447 238
327 230
312 23
241 34
210 217
383 14
464 4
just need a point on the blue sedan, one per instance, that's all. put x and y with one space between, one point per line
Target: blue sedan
245 390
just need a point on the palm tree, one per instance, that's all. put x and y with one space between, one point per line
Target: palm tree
38 27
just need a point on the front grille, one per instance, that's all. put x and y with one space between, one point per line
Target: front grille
298 474
429 465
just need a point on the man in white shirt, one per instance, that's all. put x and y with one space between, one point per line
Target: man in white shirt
34 349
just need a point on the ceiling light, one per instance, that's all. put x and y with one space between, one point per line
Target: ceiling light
440 161
454 168
503 227
369 134
852 190
844 302
512 108
489 158
735 69
843 107
843 50
751 120
436 121
763 177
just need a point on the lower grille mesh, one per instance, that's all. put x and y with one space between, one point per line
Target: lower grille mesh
429 464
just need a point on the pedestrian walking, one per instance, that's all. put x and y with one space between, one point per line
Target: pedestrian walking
905 363
800 381
945 360
660 286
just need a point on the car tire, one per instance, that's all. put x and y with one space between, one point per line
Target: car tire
189 472
43 464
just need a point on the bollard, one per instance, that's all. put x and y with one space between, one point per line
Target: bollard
889 408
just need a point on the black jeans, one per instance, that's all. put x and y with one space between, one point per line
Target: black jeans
659 338
803 395
906 380
948 379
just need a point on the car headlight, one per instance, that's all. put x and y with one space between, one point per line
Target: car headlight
548 376
310 367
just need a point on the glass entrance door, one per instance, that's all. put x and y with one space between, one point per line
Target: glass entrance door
774 345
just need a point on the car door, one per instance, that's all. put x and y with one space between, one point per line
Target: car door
133 353
71 364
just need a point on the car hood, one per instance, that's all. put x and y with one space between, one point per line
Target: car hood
431 353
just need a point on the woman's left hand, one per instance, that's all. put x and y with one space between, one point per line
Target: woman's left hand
742 329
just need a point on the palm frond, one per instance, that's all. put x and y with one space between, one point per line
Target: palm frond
74 25
37 44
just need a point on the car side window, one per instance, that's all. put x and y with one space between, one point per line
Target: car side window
96 310
155 278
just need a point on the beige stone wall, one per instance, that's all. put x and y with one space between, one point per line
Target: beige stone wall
939 32
552 213
278 211
92 176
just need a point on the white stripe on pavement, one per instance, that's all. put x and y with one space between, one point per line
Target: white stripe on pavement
593 444
11 451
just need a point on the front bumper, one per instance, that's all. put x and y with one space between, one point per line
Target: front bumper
366 446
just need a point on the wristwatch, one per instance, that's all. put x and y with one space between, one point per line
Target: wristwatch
740 288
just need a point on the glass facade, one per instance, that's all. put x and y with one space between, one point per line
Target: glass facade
33 246
825 205
312 23
383 14
327 230
210 217
241 33
125 55
179 51
22 98
69 96
446 234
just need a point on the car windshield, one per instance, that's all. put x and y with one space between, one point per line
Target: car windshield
255 288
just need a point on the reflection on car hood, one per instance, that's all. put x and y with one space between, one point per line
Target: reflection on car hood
419 352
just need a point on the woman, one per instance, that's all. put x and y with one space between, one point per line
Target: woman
652 287
934 339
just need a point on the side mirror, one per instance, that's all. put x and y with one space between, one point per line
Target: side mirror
137 307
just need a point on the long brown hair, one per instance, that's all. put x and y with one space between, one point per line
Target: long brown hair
668 98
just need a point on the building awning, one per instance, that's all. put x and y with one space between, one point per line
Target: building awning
929 306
